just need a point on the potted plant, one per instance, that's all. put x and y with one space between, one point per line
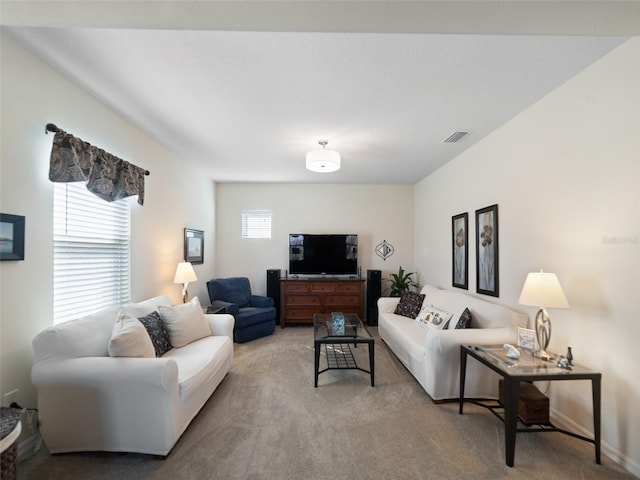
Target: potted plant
400 282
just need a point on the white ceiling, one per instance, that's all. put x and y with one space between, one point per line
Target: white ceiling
247 104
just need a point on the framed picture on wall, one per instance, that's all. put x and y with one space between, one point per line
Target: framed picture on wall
193 246
11 237
460 252
487 267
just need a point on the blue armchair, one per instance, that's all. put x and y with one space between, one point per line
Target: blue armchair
255 315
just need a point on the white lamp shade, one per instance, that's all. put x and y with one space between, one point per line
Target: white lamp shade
323 160
543 290
185 273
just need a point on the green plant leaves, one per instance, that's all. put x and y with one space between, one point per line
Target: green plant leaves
400 282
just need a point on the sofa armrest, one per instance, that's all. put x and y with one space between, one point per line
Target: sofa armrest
107 372
230 308
260 301
221 324
447 342
387 304
87 402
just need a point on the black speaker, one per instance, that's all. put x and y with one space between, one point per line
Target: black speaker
273 290
374 292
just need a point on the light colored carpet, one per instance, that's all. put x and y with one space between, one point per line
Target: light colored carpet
267 421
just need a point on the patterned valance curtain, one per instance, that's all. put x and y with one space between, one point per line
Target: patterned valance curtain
107 176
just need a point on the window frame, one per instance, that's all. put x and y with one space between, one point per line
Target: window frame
250 224
91 252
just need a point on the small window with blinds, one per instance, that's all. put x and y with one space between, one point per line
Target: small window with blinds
90 252
256 224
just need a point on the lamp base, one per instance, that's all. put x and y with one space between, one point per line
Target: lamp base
545 356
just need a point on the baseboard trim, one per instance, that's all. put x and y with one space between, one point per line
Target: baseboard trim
30 441
613 453
27 446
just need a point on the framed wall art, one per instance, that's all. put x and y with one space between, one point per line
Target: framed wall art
487 266
193 246
460 251
11 237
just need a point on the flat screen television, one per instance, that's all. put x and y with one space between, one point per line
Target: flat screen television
328 254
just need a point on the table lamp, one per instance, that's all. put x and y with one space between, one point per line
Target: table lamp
184 275
543 290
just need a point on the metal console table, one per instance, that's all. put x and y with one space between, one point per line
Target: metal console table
527 369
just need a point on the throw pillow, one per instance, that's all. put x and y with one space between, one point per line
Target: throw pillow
465 319
409 304
431 317
186 323
157 332
129 338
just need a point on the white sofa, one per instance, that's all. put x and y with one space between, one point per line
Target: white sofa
433 356
88 400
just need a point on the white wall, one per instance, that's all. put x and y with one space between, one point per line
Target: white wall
374 212
565 175
176 196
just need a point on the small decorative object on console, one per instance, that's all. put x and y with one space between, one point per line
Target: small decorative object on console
512 352
563 362
337 323
570 355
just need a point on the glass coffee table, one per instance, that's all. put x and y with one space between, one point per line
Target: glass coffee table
337 343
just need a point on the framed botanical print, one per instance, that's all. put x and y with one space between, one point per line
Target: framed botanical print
460 250
193 246
487 265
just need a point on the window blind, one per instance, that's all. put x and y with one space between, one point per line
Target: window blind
256 224
91 259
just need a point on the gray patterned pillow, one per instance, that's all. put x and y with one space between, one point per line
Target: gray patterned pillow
410 304
465 319
158 333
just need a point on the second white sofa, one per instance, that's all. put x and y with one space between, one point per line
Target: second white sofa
89 400
433 355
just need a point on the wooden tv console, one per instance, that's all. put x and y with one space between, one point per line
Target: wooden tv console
301 298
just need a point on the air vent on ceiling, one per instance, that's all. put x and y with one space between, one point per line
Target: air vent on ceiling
455 137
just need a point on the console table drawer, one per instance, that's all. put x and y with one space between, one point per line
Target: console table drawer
346 300
301 313
303 300
297 287
323 287
348 287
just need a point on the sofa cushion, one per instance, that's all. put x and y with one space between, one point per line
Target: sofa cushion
185 322
235 290
129 338
409 304
141 309
432 317
253 315
199 363
87 336
404 336
157 332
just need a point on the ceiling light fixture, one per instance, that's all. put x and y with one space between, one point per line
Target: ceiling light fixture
322 159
